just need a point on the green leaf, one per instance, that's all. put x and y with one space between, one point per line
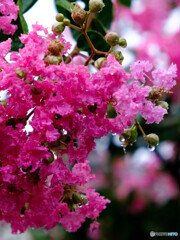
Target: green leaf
126 3
97 26
22 28
106 15
27 4
23 23
97 40
63 4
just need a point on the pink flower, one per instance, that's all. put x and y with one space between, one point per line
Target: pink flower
45 177
139 68
10 11
165 78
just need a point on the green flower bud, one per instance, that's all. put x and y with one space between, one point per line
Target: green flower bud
130 135
78 15
59 17
53 60
154 94
58 28
55 47
96 6
163 104
122 42
20 73
152 139
118 56
112 38
66 22
99 62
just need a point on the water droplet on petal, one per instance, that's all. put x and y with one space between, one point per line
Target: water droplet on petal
114 134
151 148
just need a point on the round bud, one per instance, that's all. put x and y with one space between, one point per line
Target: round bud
96 6
112 38
118 56
58 28
152 139
78 15
55 47
99 62
20 73
130 135
66 22
122 42
59 17
163 104
53 60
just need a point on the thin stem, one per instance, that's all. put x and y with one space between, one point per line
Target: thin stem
140 128
72 54
86 21
89 59
75 27
89 42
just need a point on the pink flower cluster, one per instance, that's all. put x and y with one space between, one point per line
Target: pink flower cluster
146 179
149 18
44 174
9 10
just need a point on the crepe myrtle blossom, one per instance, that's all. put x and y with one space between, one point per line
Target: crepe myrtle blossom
44 174
9 12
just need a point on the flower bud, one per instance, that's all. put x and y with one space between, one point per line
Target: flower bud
78 15
58 28
55 47
112 38
122 42
163 104
66 22
96 6
20 73
99 62
59 17
152 139
154 94
53 60
130 135
118 56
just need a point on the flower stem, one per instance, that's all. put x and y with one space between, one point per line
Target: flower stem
140 128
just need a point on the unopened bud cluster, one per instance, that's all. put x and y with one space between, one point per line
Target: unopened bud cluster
113 39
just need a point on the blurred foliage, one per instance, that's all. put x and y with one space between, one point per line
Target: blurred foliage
127 3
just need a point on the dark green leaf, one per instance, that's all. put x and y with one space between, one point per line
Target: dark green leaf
63 4
21 18
27 4
125 2
96 38
97 26
22 28
106 15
